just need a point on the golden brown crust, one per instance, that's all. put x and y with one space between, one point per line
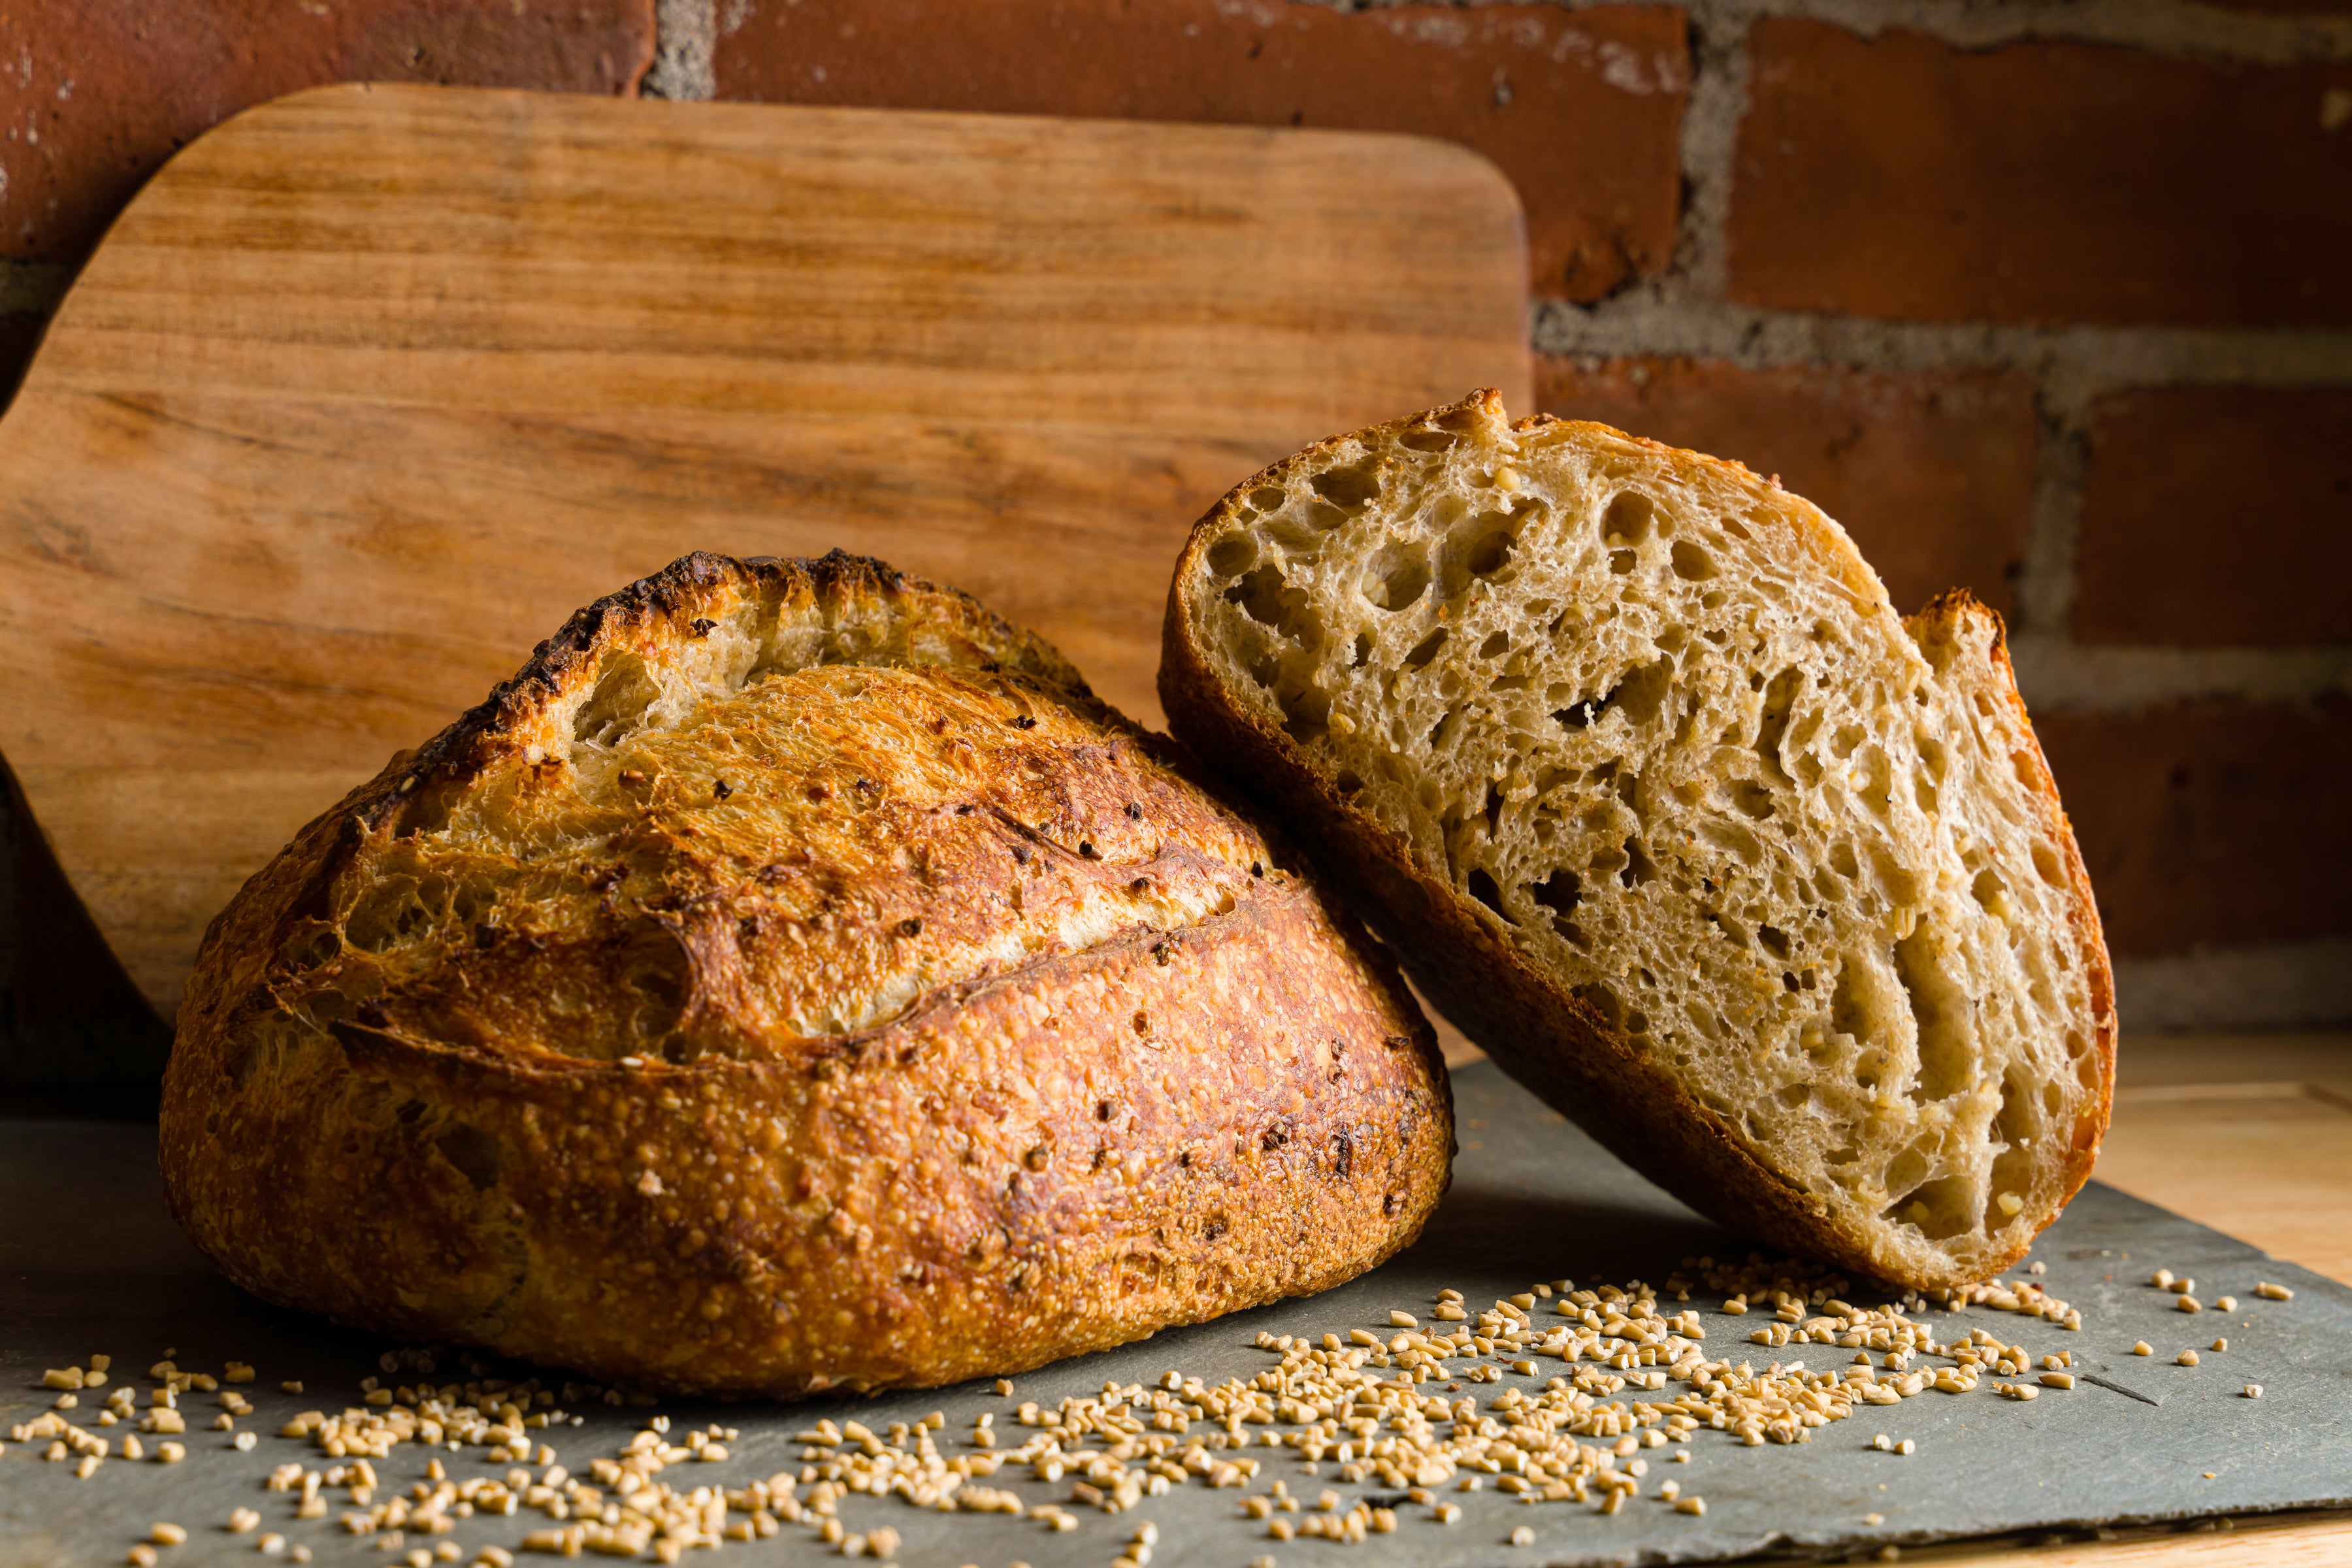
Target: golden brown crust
1940 617
961 1032
1543 1034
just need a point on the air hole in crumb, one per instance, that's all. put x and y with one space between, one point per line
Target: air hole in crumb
1942 1208
1639 868
1628 517
1306 711
1426 440
1143 1022
1620 561
1349 781
1776 941
1642 692
1987 890
1604 1002
1851 1000
1266 598
1495 643
1483 549
1266 497
1362 651
1488 553
624 691
1772 725
1483 889
1233 555
1560 892
2018 1124
1425 649
1692 565
1401 577
389 912
2045 865
1947 1048
1350 489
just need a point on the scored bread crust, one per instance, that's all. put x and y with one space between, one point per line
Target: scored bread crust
793 979
1569 1050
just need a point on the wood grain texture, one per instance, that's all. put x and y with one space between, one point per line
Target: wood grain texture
2252 1136
2296 1541
372 387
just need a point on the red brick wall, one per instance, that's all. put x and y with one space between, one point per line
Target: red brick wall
2051 301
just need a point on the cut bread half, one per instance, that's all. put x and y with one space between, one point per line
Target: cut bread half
1625 753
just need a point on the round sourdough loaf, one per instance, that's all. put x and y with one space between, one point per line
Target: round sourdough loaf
793 979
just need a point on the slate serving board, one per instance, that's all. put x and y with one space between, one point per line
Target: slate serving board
90 1262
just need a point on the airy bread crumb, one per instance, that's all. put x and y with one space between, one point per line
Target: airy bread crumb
1658 798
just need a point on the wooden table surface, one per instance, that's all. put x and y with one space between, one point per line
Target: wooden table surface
2251 1134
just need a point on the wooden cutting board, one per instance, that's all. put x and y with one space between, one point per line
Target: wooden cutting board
371 387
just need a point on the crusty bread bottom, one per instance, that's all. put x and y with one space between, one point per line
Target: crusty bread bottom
1654 794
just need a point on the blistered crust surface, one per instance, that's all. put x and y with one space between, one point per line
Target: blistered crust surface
1764 850
793 979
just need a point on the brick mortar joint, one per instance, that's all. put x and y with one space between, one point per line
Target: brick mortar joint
686 52
2171 28
1668 317
1708 151
2046 577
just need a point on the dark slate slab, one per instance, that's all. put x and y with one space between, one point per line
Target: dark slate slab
90 1262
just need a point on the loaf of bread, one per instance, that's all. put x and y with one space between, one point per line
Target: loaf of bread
1624 752
793 979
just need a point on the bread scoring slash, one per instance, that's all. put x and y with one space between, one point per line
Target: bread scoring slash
1625 752
793 979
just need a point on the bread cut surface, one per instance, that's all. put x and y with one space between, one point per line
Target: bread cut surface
793 979
1626 751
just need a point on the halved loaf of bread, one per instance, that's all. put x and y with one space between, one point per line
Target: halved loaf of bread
1625 753
793 979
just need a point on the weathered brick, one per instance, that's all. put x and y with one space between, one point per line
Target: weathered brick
2210 823
2216 515
1582 109
96 95
1933 474
1901 176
